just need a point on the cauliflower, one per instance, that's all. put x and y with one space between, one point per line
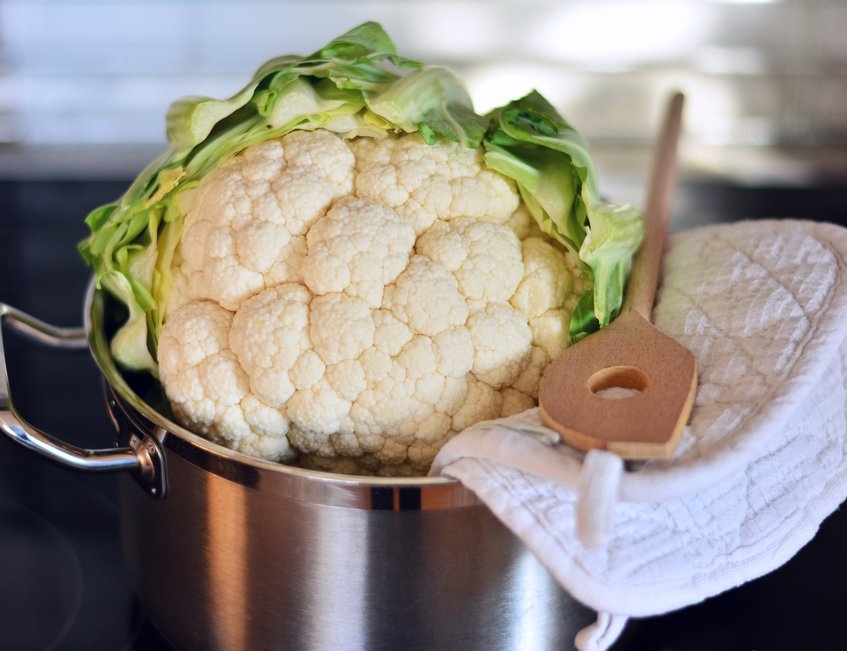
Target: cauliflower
343 265
358 306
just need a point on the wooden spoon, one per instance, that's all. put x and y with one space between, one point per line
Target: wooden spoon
629 388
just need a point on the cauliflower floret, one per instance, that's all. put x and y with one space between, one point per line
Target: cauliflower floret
341 327
484 257
270 337
501 343
547 281
358 303
481 403
428 183
514 402
358 248
411 385
523 224
426 297
528 380
548 292
208 389
246 228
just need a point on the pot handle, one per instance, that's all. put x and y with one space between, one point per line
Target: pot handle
17 429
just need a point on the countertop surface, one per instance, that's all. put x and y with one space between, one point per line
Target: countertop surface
63 582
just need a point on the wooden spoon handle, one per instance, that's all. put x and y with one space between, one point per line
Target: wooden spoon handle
644 277
630 353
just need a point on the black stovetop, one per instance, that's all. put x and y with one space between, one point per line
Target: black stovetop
63 584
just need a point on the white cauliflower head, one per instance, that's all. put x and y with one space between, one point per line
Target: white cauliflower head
355 303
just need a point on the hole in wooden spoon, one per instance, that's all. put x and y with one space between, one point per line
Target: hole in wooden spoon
618 382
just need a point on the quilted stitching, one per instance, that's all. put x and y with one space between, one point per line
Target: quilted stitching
747 309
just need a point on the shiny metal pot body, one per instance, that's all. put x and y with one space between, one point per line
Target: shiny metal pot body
234 560
233 553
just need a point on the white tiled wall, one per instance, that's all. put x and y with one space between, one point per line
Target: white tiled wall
758 74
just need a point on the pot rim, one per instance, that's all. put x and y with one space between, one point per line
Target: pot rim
358 490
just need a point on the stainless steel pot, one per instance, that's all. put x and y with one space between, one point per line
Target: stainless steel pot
230 552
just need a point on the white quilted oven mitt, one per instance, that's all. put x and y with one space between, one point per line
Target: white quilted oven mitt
761 463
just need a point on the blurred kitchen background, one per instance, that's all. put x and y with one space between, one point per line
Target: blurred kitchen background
84 86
